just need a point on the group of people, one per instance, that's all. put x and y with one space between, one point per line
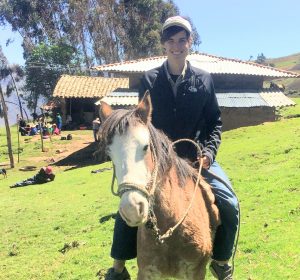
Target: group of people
27 129
185 106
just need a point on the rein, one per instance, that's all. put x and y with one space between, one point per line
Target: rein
150 189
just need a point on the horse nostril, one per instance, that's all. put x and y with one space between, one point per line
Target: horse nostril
141 208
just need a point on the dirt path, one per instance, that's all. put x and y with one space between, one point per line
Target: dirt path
70 152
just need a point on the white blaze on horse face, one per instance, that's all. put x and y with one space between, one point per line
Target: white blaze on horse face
128 152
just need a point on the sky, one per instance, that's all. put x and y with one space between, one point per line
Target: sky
229 28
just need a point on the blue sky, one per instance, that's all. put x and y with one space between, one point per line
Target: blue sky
229 28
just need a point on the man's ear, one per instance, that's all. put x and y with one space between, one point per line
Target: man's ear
104 111
144 108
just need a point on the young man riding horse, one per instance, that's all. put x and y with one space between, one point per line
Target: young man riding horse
185 106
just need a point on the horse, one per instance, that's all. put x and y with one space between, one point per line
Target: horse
158 190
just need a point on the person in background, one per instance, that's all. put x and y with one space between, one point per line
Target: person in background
33 131
45 175
22 126
184 106
69 119
58 121
96 127
55 130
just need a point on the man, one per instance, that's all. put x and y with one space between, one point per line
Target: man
185 106
58 122
96 126
45 175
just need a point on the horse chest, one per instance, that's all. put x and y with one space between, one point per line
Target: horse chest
171 259
178 269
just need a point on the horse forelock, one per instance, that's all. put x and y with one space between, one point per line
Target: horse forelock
120 120
117 122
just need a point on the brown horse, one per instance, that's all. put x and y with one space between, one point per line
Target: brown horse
156 189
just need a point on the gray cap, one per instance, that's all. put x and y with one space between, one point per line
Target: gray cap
177 21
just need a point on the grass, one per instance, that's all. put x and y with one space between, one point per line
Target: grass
62 230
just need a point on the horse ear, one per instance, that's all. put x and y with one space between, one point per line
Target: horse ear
144 108
104 111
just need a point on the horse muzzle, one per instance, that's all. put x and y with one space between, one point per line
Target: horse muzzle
134 208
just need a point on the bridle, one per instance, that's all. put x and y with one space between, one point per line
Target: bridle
149 191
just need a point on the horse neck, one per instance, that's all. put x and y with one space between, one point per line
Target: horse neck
169 199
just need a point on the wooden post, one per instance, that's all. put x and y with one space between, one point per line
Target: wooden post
8 134
41 133
18 139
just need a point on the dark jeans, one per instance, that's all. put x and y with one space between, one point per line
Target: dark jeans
27 182
125 237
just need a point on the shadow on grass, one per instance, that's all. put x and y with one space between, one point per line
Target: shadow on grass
89 155
107 218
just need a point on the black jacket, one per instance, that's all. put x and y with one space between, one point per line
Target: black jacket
194 112
42 177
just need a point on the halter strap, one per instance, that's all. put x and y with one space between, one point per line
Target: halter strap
148 191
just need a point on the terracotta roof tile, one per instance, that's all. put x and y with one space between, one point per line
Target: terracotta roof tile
210 63
87 87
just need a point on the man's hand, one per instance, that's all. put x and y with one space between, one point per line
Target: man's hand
206 162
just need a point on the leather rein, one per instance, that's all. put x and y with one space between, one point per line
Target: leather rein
149 191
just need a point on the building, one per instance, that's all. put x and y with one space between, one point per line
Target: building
240 86
77 95
243 88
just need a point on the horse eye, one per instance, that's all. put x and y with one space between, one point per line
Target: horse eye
145 148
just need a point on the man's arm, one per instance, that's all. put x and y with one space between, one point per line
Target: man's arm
213 121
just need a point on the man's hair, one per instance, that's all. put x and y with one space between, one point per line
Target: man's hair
171 31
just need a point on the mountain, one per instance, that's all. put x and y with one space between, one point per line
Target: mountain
289 63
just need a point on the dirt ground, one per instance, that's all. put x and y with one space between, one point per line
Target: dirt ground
67 154
65 149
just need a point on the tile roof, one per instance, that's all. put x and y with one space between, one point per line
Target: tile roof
263 98
87 87
209 63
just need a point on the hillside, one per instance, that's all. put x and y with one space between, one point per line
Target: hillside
63 229
290 63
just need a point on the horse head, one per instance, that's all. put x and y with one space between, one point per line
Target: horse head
128 145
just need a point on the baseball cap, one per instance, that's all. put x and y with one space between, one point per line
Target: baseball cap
48 169
177 21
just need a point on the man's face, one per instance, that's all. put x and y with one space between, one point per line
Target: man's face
177 47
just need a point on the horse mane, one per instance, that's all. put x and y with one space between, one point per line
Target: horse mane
121 119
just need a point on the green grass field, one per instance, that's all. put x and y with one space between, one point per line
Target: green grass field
59 230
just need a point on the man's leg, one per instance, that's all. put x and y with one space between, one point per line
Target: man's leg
228 207
30 181
124 248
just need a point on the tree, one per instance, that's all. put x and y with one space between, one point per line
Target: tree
6 72
43 67
59 35
261 59
104 31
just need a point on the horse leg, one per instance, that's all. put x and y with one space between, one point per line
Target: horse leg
149 273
